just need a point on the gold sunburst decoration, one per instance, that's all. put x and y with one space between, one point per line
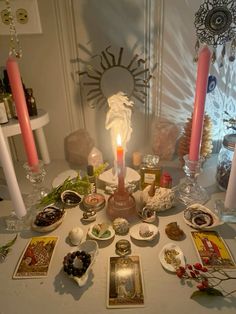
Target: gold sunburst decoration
131 78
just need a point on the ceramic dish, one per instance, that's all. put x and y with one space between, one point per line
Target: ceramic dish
171 257
49 227
135 231
200 217
61 177
93 236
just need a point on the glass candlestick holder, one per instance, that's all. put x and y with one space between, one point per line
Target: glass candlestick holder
35 174
189 191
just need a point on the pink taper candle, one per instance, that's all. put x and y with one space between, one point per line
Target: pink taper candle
22 111
230 197
120 166
204 60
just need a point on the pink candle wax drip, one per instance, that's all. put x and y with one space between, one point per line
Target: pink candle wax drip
22 111
199 103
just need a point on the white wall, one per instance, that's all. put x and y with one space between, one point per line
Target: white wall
72 26
41 69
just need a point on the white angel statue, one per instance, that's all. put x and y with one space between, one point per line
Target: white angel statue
118 120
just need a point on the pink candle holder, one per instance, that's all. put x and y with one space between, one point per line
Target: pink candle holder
121 204
189 191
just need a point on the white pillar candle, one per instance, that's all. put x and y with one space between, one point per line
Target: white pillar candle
230 197
10 176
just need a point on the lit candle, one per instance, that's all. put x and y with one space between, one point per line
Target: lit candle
230 197
22 111
120 165
8 169
199 103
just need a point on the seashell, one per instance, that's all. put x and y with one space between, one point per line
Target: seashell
121 226
70 198
90 247
89 215
200 217
174 232
76 235
147 214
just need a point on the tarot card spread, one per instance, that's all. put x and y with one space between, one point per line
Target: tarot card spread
35 260
125 284
212 250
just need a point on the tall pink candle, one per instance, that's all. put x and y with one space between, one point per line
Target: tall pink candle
204 60
120 166
22 111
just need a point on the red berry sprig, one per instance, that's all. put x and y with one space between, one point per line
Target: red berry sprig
206 279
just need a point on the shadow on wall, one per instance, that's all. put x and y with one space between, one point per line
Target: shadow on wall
116 24
179 73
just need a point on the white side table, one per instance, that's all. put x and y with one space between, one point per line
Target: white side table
37 123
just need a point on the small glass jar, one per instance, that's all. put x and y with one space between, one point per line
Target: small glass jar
166 181
150 171
225 161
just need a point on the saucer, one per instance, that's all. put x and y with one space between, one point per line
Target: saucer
134 232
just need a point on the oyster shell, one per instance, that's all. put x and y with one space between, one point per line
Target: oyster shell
70 198
89 215
200 217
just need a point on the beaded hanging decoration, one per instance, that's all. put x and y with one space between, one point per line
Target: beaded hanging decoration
14 46
215 24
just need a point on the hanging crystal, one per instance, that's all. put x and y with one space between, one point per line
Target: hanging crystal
232 50
222 57
213 57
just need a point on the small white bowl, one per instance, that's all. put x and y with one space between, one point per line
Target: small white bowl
180 256
134 232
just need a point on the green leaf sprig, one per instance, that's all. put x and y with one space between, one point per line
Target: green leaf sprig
78 184
5 249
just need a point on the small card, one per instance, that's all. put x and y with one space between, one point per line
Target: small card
125 282
35 260
212 250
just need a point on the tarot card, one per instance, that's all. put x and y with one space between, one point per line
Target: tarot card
35 260
125 282
212 250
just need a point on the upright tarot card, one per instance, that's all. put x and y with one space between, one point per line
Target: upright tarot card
35 260
125 282
212 250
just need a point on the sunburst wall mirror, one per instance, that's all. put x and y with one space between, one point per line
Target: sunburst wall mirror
112 74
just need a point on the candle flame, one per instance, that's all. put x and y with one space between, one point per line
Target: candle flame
118 140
